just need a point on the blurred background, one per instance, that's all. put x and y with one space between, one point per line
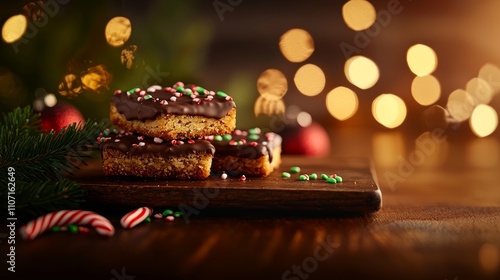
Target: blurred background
368 78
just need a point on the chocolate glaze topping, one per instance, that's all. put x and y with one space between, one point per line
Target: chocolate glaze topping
147 104
249 144
138 145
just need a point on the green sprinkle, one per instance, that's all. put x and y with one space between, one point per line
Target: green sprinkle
253 137
331 180
188 92
285 175
338 179
148 219
106 132
222 94
218 138
227 137
295 169
313 176
148 96
200 90
254 130
167 212
179 89
132 91
56 229
303 177
324 176
73 228
239 142
177 214
115 131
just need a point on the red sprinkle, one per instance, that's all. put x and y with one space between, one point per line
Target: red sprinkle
243 178
83 230
333 175
237 132
233 143
118 92
253 143
191 141
170 218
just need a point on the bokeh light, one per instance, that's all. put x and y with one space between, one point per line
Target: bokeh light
14 28
491 74
50 100
484 120
388 148
342 103
361 72
359 14
426 90
296 45
389 110
272 84
304 119
70 86
118 31
128 56
480 91
460 105
269 106
310 80
421 59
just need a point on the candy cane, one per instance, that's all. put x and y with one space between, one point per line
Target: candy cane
65 217
133 218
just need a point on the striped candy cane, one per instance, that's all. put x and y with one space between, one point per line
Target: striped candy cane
133 218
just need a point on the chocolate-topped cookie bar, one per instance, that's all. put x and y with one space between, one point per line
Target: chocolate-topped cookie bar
248 152
176 112
127 153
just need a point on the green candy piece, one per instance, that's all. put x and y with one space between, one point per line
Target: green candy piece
179 89
148 219
218 138
239 142
222 94
167 212
56 229
177 214
324 176
253 137
338 179
73 228
106 132
331 180
294 169
132 91
313 176
285 175
148 96
254 130
200 90
303 178
227 137
115 131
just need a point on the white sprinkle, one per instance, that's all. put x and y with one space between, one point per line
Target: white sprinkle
188 90
223 176
117 140
158 215
170 218
173 98
140 138
142 93
139 98
158 140
164 102
154 88
142 144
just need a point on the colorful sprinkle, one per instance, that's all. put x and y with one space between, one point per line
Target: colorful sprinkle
173 98
223 176
118 92
191 141
142 93
177 214
83 230
158 140
140 98
169 218
158 216
154 88
73 229
285 175
56 229
303 178
253 144
294 169
142 144
131 91
179 89
338 179
222 94
167 212
218 138
331 180
254 130
253 137
164 102
243 178
200 90
148 220
148 96
227 137
324 176
313 176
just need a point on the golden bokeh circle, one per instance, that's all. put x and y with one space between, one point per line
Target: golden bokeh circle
359 14
342 103
14 28
460 105
361 72
484 120
296 45
491 74
426 90
310 80
389 110
118 31
272 84
421 59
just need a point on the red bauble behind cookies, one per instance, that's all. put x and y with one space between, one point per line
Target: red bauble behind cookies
59 116
312 140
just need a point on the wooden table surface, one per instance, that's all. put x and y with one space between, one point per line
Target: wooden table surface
440 220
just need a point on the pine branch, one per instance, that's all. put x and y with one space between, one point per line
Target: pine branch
34 199
17 124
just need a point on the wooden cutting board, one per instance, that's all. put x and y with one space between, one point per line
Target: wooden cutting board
357 193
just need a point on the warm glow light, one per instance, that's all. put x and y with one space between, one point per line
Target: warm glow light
491 74
304 119
359 14
387 149
296 45
13 28
342 103
460 105
484 120
310 80
269 106
96 78
361 72
389 110
272 84
483 152
489 258
118 31
50 100
480 91
426 90
128 56
421 59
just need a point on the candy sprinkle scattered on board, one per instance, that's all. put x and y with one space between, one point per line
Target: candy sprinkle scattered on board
294 169
285 175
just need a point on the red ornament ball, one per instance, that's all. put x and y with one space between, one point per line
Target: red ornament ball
312 141
59 116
